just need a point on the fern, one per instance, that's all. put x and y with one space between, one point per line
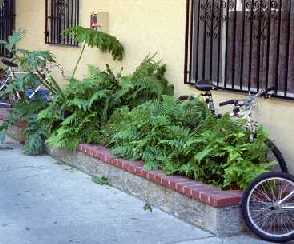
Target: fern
85 106
183 138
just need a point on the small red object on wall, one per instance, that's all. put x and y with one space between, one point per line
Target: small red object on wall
94 21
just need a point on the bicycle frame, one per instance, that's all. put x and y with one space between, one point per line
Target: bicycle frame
12 74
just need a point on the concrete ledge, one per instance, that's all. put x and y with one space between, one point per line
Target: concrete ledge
17 131
196 203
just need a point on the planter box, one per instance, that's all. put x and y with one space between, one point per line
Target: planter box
195 203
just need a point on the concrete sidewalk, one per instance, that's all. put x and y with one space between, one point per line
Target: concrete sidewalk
44 202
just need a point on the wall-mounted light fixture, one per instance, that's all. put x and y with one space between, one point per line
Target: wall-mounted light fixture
99 21
94 23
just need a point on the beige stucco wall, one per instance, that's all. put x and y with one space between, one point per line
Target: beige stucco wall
146 27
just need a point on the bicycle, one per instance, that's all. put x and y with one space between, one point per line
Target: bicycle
268 203
10 75
242 109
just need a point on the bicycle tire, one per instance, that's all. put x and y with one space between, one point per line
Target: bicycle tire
278 155
245 208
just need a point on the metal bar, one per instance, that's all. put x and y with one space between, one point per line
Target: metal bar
287 48
5 24
278 49
1 29
234 47
191 30
275 95
258 45
227 33
46 21
71 19
77 15
250 44
242 46
13 16
197 40
67 20
219 40
52 29
187 43
204 48
63 38
268 45
211 39
58 23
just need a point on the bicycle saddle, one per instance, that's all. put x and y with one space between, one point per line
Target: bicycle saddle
205 85
8 63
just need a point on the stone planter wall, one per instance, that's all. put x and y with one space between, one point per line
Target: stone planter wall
17 131
196 203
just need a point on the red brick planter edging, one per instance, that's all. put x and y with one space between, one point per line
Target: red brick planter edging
3 115
206 194
20 124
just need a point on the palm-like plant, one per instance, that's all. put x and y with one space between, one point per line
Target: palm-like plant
98 39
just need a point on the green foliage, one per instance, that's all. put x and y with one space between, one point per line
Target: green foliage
12 41
35 137
183 138
37 65
101 180
148 82
148 130
77 116
148 207
98 39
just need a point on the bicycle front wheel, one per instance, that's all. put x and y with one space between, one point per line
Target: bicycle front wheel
268 207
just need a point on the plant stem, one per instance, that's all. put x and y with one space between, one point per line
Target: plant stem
78 61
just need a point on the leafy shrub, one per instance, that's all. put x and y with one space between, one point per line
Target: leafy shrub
38 68
148 82
77 116
183 138
37 65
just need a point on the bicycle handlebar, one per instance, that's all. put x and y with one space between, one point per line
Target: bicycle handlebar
8 63
265 92
229 102
262 93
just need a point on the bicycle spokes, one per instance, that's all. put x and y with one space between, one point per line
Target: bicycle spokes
271 207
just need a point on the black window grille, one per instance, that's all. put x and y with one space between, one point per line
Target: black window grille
7 21
60 15
242 45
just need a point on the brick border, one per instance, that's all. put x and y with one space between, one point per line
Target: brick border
198 191
3 114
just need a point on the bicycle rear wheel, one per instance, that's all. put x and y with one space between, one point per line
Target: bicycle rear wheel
268 207
277 156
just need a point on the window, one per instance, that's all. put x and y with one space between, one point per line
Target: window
242 45
7 19
60 15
